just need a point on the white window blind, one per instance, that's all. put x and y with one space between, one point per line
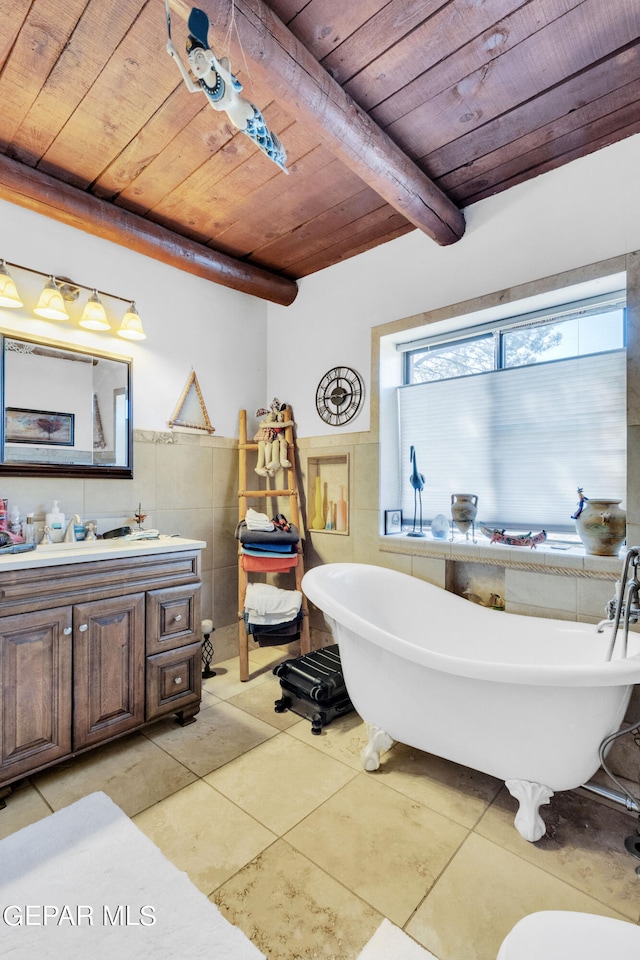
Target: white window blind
521 439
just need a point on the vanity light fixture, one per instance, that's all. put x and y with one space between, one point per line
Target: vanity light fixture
8 292
59 296
94 316
51 305
131 327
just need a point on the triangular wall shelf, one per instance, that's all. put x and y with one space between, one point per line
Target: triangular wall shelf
191 411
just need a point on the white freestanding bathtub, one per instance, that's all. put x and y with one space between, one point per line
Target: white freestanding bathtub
525 699
562 935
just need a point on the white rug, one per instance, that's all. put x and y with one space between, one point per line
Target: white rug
86 884
390 943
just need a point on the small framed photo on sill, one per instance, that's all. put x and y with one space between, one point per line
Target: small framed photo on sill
392 522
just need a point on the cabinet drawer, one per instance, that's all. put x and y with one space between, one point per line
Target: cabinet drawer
173 618
174 681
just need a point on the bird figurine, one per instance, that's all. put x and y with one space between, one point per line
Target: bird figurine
417 482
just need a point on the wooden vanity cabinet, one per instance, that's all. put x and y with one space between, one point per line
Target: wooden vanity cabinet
90 651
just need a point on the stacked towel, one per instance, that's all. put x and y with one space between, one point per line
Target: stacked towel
266 604
272 615
265 546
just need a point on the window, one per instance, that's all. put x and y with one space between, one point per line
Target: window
520 414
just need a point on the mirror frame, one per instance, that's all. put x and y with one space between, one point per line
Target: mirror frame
71 469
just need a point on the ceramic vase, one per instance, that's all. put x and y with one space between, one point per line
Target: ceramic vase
602 527
341 512
464 507
318 516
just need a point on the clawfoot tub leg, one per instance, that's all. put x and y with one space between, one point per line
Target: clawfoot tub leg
378 740
530 796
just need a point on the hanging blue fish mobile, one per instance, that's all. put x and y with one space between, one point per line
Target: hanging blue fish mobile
221 87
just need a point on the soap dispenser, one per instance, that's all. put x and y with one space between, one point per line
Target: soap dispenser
54 520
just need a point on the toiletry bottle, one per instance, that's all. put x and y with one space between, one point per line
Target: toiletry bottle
54 520
29 531
15 524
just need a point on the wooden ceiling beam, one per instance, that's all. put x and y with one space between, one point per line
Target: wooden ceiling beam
41 193
296 79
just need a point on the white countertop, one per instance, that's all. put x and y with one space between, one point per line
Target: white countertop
83 551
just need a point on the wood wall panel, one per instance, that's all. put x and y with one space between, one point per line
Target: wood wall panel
526 119
450 56
324 25
361 240
96 36
566 46
45 31
124 96
520 154
402 71
465 98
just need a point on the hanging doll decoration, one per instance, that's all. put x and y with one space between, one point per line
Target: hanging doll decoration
221 87
271 440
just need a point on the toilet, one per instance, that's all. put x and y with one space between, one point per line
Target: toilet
561 935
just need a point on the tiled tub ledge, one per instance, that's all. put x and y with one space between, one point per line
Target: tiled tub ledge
544 559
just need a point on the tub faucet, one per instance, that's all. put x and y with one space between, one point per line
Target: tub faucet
625 605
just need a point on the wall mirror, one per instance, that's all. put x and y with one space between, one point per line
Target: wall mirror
66 411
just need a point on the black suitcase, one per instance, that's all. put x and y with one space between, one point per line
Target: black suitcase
313 687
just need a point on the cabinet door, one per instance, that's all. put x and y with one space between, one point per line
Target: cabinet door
173 618
108 668
35 690
174 682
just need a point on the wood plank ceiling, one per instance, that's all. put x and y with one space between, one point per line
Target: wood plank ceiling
388 110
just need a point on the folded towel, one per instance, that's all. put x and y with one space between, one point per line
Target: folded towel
280 627
261 552
258 521
263 564
257 549
244 534
265 603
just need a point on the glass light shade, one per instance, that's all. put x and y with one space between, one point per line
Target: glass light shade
131 326
8 292
94 316
51 305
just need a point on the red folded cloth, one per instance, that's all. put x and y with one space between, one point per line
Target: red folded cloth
269 564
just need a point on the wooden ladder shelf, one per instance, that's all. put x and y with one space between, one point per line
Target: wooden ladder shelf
244 495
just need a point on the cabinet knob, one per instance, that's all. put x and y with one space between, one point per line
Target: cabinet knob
177 680
178 617
67 631
83 627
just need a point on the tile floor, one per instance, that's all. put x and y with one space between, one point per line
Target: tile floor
306 853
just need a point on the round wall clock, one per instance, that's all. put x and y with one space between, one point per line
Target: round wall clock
339 395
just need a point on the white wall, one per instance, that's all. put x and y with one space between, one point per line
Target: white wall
189 321
588 210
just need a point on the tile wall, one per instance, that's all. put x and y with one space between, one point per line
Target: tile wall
187 485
